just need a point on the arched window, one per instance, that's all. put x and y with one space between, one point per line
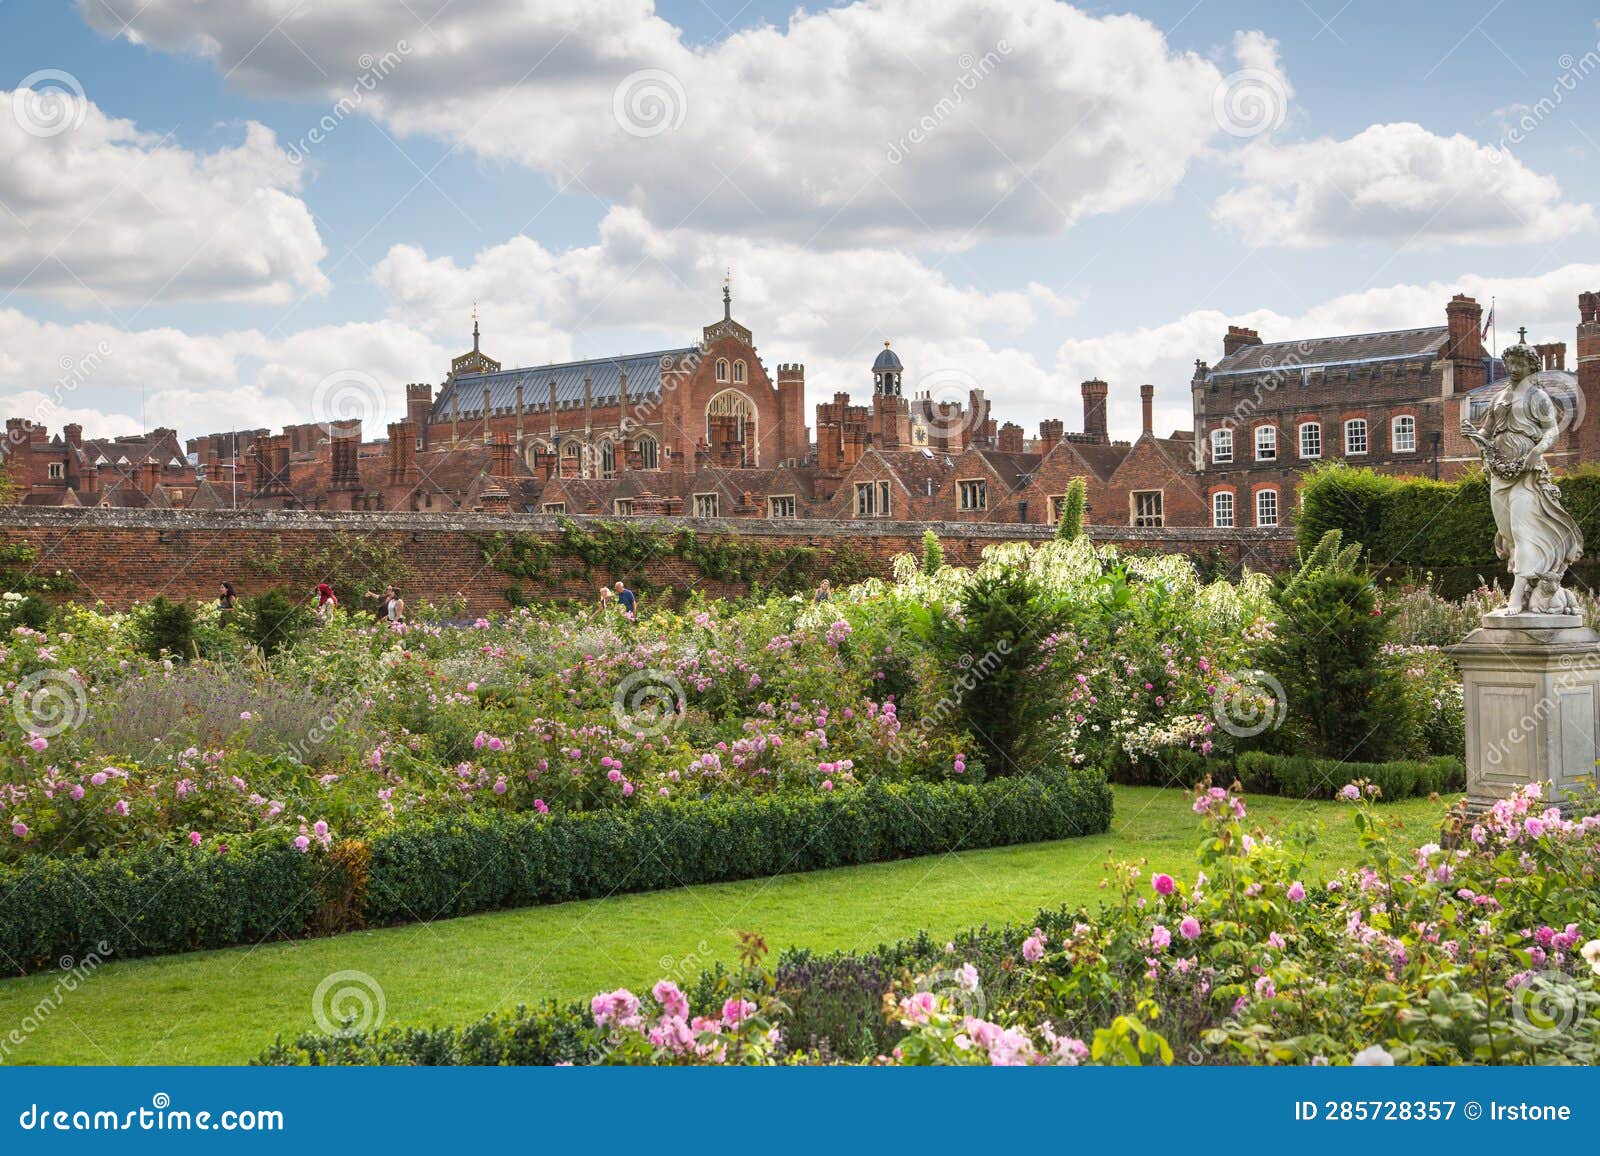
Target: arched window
649 452
1222 445
1311 439
738 373
1222 509
722 369
1266 443
731 416
1266 507
608 459
1355 436
1403 434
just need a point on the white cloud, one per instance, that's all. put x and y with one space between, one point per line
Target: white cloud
1394 184
883 120
99 212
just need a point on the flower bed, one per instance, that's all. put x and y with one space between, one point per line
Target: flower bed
1488 953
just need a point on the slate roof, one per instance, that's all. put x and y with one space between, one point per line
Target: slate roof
1392 345
644 383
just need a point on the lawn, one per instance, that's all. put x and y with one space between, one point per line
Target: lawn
223 1007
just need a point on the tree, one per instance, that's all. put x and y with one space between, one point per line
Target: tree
932 553
274 621
166 628
1072 507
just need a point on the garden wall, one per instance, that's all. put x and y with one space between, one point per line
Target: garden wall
124 556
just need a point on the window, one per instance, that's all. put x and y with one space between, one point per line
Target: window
622 507
1222 509
1266 507
1477 408
738 373
705 505
58 470
608 460
649 452
1266 443
1222 445
1147 508
722 370
1403 434
781 506
1355 436
974 495
872 499
1311 440
555 507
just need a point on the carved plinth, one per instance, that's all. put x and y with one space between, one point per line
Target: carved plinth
1532 689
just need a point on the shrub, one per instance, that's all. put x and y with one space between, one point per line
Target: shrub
1304 777
1343 702
274 621
932 553
991 654
28 610
166 628
482 861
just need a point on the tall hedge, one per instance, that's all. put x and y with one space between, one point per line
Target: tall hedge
1419 524
168 900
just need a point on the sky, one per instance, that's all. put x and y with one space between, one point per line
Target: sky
222 214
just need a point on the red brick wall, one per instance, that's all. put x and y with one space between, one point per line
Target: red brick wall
124 556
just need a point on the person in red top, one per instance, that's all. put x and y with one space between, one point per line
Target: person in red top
326 600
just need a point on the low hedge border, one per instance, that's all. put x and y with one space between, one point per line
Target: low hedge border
1296 776
165 900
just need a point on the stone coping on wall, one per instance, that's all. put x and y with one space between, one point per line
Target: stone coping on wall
66 518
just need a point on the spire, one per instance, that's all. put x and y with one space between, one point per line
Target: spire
475 327
727 295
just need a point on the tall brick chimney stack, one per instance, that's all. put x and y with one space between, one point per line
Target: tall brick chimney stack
1464 348
1588 366
503 459
402 453
1237 338
1011 438
344 474
1094 412
149 475
1147 402
1049 434
73 432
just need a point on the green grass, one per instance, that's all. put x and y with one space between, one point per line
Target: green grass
223 1007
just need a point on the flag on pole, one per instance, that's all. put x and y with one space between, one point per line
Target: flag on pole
1488 322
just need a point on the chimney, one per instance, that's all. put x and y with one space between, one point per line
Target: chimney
1147 403
149 475
402 453
1552 354
1011 438
1049 434
1237 338
494 500
74 433
344 474
1464 348
503 458
1094 412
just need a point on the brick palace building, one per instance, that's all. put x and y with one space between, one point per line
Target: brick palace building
706 430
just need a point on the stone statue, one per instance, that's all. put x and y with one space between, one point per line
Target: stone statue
1534 534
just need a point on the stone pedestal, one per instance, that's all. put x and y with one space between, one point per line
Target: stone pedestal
1532 689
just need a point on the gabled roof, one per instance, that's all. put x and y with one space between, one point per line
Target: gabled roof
1392 345
644 372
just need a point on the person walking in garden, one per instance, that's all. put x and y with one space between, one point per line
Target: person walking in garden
607 601
391 607
627 600
228 602
825 591
327 601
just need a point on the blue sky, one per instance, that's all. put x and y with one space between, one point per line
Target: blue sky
1111 258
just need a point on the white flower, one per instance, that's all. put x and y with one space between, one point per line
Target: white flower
1591 955
1373 1057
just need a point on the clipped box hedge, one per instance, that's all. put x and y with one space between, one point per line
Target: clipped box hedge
167 900
1303 777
